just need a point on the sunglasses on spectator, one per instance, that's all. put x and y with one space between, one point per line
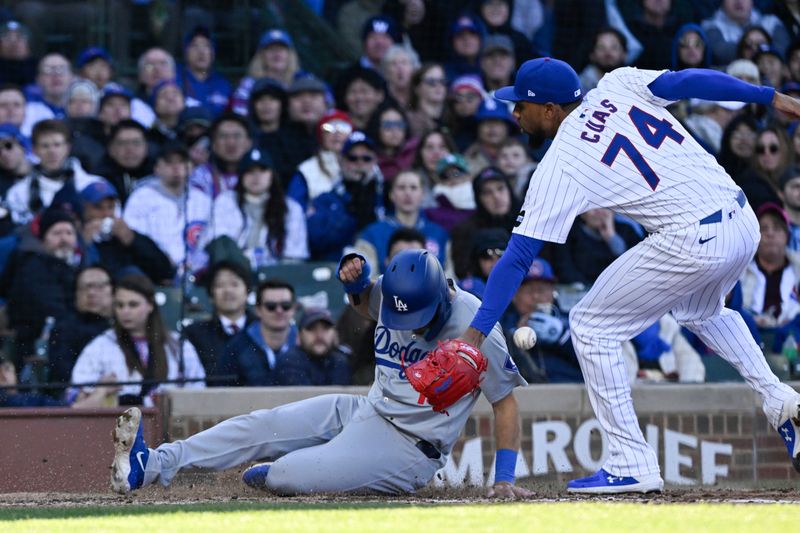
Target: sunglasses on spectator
492 252
772 148
393 124
273 306
363 158
337 126
433 82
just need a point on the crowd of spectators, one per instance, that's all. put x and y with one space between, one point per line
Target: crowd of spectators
111 187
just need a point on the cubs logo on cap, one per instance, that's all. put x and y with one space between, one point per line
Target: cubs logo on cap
543 80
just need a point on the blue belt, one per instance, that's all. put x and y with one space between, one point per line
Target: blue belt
716 216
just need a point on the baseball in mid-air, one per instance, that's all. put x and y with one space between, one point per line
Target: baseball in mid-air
525 338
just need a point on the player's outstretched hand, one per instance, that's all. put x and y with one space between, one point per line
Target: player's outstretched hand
786 104
351 270
506 490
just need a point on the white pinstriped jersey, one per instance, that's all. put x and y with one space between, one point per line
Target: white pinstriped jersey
622 149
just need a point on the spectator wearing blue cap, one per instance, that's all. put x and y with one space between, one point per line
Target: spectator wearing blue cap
95 64
116 245
125 158
275 58
535 305
17 63
351 18
609 50
268 226
726 26
197 77
465 38
13 164
230 141
495 125
355 201
377 35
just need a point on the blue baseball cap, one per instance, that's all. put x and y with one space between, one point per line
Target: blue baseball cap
90 54
541 81
98 191
355 138
114 89
381 24
540 270
201 31
10 131
255 158
466 23
275 36
491 110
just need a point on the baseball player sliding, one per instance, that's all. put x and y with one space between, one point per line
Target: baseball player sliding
618 147
394 439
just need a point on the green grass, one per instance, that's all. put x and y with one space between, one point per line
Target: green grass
534 517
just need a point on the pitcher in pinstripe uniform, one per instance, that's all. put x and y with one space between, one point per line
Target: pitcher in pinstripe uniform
618 147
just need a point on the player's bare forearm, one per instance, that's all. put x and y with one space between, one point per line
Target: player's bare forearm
473 336
786 104
506 423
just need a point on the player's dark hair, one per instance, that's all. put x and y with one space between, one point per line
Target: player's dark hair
158 338
405 235
273 283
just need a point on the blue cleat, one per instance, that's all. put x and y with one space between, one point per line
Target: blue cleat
130 452
789 430
604 483
256 476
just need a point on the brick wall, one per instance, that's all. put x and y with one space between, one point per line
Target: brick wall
702 415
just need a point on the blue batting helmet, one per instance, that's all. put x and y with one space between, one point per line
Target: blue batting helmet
415 291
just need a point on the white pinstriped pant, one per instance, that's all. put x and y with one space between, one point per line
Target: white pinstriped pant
688 272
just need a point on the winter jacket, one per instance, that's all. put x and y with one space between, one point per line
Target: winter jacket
209 339
298 368
250 361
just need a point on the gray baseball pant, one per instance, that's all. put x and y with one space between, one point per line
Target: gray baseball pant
330 443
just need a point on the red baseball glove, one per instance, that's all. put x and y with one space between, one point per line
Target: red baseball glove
447 374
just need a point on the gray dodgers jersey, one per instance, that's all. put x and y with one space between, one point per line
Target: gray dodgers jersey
396 400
